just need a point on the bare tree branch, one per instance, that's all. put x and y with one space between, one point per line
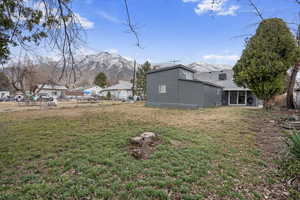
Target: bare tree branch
256 9
131 26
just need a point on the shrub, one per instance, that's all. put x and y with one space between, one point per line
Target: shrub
108 96
294 144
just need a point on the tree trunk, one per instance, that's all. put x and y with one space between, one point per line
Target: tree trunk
267 104
290 92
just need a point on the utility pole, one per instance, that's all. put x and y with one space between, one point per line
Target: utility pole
133 80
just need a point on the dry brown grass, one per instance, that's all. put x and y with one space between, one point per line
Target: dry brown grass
202 118
211 120
212 150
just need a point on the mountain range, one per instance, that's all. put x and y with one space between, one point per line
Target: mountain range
113 65
118 68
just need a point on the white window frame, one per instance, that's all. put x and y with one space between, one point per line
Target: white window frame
162 89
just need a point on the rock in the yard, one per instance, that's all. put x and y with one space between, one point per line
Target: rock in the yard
137 153
148 135
136 140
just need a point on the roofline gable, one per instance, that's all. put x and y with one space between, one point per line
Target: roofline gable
171 68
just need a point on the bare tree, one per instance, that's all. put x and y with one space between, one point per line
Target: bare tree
292 79
51 22
26 77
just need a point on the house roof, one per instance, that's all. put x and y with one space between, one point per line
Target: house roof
74 93
203 82
95 87
122 85
170 68
53 87
213 77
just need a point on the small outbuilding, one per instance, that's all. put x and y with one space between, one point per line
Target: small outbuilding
93 91
120 91
54 91
176 87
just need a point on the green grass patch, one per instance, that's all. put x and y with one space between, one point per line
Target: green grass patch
87 158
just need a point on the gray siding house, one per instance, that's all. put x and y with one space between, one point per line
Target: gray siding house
176 87
232 95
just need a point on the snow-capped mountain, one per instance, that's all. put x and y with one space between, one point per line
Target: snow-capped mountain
118 68
113 65
205 67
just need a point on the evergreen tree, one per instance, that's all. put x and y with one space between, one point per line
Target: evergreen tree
265 60
141 82
101 80
108 96
4 82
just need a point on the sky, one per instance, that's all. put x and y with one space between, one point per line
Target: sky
184 30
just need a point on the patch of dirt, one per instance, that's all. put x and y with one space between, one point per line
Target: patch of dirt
270 139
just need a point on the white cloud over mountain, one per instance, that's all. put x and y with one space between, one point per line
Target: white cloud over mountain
221 58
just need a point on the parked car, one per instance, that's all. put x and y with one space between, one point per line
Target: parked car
19 98
8 99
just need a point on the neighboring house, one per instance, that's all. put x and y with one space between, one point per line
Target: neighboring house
92 91
73 94
177 87
4 94
120 91
232 94
54 91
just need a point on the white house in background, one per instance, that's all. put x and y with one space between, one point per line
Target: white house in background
120 91
54 91
4 94
93 91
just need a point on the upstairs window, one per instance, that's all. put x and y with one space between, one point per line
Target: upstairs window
162 89
188 75
222 77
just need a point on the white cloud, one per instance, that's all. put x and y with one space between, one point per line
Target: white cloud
221 58
218 7
84 22
230 11
110 18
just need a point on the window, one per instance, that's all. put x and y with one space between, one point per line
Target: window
188 75
237 97
233 97
162 89
222 77
242 97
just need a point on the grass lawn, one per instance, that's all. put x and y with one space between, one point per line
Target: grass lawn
82 153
